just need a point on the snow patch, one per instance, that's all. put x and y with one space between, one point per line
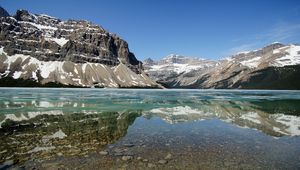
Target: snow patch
48 67
45 104
59 134
17 74
59 41
178 68
84 67
292 124
75 70
34 76
251 63
251 116
179 110
51 112
62 77
276 51
2 51
228 59
293 57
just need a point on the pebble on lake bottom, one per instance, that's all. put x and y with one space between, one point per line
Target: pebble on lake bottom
126 158
151 165
128 145
162 161
103 153
169 156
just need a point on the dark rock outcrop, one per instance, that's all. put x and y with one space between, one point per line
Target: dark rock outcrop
50 39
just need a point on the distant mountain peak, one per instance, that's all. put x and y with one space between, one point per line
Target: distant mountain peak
149 61
3 12
24 15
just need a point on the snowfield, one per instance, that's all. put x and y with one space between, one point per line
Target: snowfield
292 57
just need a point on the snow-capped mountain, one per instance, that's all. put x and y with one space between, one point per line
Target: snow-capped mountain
175 65
276 66
42 50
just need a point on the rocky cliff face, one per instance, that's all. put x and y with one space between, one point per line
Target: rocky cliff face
276 66
43 49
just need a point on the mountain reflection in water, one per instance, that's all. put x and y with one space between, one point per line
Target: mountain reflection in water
66 134
243 114
50 123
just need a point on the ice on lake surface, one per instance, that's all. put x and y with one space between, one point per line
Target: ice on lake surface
137 129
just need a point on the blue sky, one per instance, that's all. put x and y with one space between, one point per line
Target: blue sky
155 28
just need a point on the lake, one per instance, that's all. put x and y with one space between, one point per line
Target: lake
48 128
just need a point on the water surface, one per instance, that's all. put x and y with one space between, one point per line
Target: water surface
138 129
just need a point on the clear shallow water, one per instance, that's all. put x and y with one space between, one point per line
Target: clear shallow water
163 129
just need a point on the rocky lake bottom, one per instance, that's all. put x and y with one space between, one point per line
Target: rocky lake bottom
149 129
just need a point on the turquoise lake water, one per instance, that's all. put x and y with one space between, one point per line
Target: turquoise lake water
144 129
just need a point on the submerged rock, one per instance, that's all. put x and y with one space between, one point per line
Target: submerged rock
103 153
162 161
127 158
151 165
128 145
169 156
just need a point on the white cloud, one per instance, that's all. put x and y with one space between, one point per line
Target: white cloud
280 32
241 48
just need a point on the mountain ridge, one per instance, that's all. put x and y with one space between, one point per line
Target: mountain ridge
274 66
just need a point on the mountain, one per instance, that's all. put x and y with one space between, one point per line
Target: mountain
40 50
276 66
174 65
